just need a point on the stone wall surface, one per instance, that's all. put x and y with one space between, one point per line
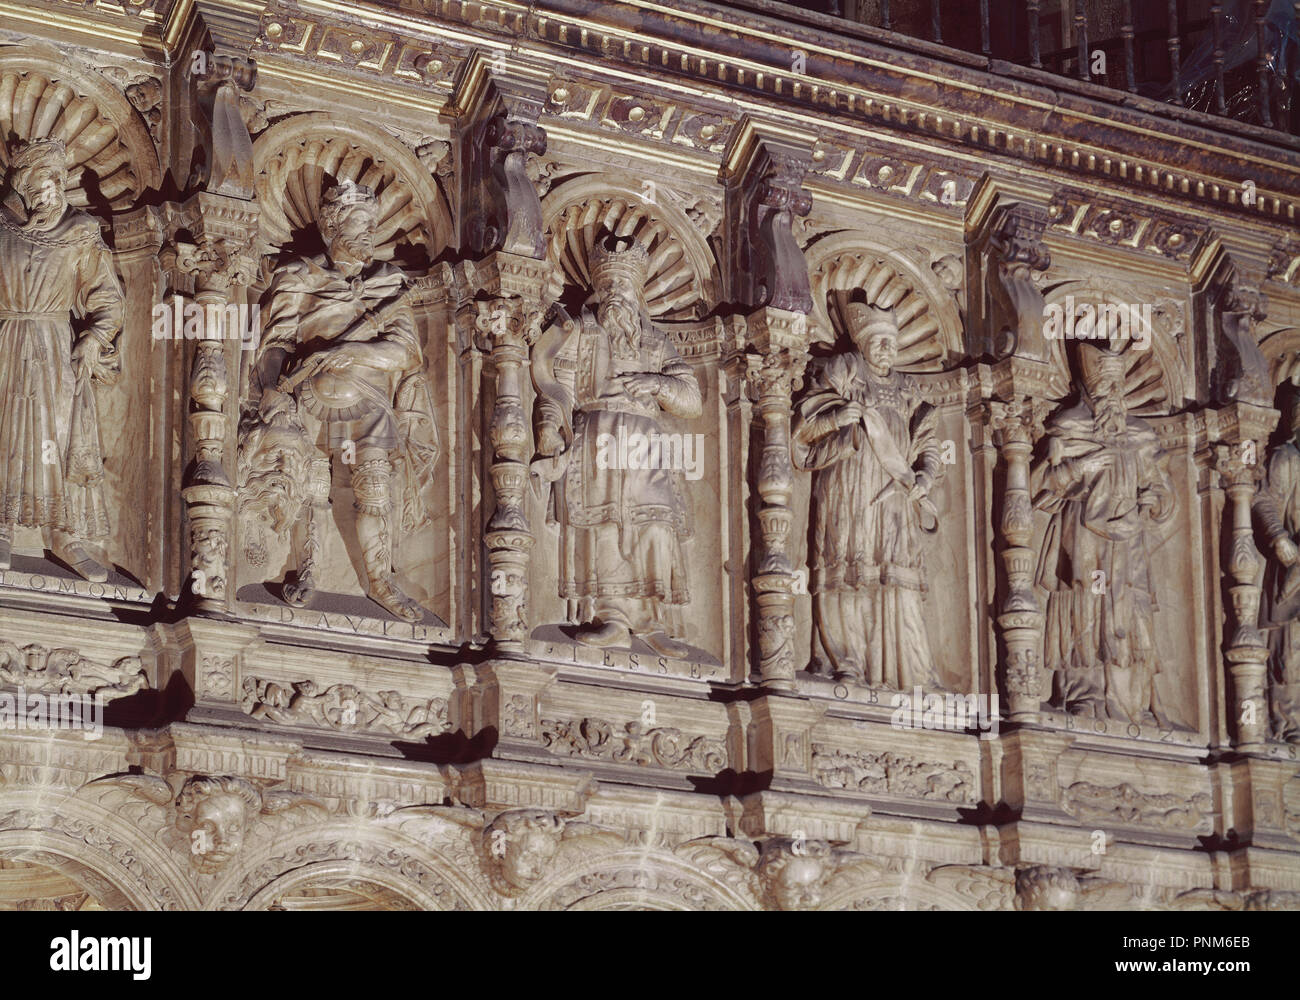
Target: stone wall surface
569 456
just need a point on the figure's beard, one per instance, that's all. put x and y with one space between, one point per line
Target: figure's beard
44 215
352 250
1110 416
623 323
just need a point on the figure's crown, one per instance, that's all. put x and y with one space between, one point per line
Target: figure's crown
40 152
615 254
349 193
863 316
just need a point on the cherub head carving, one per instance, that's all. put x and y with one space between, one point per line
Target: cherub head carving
348 216
793 874
519 845
216 813
39 176
1043 887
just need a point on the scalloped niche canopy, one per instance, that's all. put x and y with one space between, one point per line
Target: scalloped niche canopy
929 324
110 158
300 158
680 279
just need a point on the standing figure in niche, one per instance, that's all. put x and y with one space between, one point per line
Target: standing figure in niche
1105 481
1278 508
869 439
607 377
56 266
340 370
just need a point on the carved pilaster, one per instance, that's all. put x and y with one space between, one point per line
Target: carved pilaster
506 318
212 270
768 276
1016 423
1247 653
1239 459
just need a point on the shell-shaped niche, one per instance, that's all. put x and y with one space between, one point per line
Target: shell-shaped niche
681 275
110 158
929 322
298 159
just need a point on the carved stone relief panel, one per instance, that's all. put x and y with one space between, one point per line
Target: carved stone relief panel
628 476
1111 489
71 502
346 501
880 430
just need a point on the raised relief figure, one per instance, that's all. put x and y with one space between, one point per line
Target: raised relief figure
608 380
339 372
1105 481
56 267
869 439
1278 508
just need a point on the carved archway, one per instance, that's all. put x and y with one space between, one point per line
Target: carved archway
634 879
298 158
899 892
682 278
338 854
930 331
95 847
111 158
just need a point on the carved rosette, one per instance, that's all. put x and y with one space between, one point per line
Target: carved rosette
1016 425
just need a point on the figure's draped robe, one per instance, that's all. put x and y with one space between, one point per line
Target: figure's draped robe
621 529
1278 507
311 306
1100 647
868 571
48 277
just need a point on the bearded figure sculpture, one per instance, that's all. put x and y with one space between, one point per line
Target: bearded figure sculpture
609 377
869 440
1105 482
56 266
339 372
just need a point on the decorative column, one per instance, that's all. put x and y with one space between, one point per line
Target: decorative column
221 262
768 282
1245 424
1016 425
1023 383
508 286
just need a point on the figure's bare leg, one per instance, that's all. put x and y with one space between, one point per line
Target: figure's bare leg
300 592
372 486
6 545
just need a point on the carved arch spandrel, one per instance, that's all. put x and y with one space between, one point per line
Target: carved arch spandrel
930 328
297 158
111 157
682 279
